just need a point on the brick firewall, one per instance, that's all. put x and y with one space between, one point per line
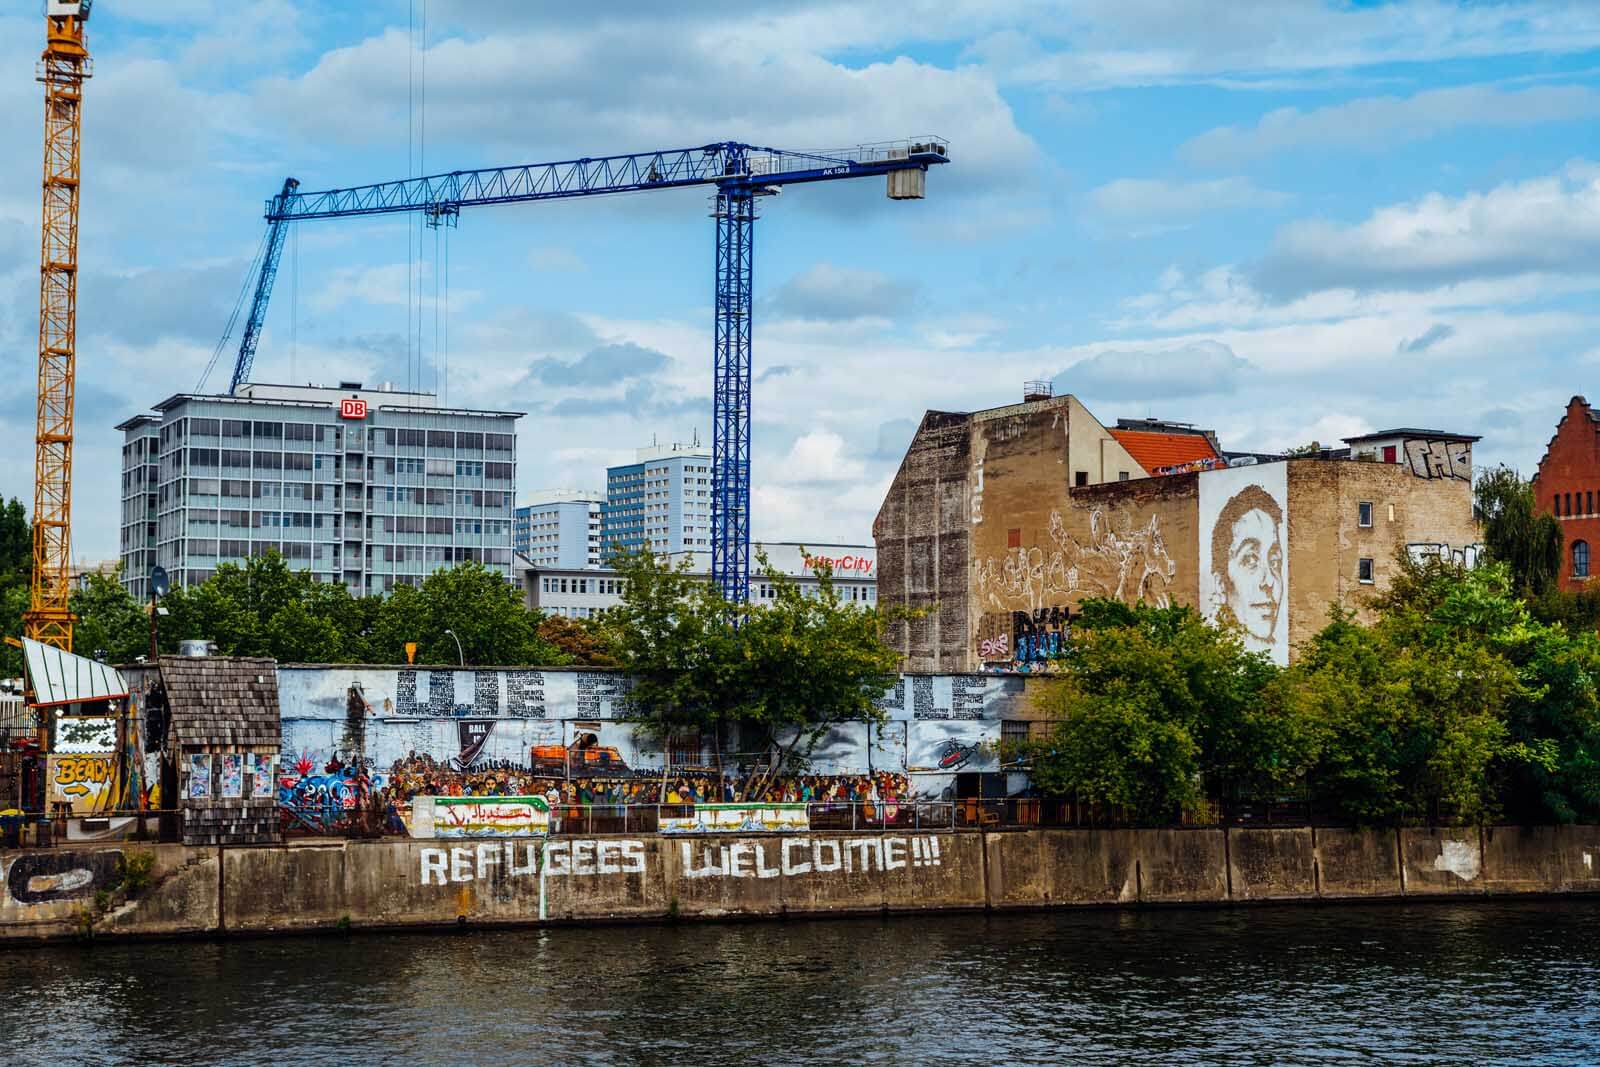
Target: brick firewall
1567 486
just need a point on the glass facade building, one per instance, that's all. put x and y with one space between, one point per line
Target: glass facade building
369 487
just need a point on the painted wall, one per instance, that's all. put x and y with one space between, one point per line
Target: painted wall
937 726
51 895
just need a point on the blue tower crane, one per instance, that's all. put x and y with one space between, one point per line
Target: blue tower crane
740 172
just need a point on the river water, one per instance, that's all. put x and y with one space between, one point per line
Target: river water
1484 983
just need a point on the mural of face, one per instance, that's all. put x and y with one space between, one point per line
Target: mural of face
1254 587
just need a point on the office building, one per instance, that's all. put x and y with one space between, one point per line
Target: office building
662 499
369 487
560 528
582 593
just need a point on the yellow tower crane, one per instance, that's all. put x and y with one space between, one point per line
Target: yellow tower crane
63 68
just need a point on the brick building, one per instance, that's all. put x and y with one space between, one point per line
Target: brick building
1567 484
1000 523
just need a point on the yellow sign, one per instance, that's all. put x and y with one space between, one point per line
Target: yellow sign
85 782
411 652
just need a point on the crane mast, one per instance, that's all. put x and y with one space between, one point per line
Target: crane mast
63 68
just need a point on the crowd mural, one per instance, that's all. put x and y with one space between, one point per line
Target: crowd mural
361 744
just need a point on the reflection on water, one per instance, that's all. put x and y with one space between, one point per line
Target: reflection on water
1480 983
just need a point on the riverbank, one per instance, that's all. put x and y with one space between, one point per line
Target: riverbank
65 894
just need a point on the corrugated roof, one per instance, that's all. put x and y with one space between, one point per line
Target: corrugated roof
58 677
1156 450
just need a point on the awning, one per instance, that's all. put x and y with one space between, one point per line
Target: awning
58 677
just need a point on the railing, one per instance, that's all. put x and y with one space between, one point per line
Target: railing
44 830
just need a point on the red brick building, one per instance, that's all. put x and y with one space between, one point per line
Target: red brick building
1567 486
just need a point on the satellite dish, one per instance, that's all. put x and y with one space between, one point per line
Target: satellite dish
158 581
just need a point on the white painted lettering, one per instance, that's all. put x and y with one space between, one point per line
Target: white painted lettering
737 854
583 857
488 856
531 860
557 860
762 870
602 865
816 856
633 857
790 867
894 853
434 861
863 847
461 865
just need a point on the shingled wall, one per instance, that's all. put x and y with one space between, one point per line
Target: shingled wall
224 706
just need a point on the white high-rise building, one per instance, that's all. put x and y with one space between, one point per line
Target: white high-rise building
560 528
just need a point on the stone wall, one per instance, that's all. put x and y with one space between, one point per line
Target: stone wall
55 895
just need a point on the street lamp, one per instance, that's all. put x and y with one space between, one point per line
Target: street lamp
460 654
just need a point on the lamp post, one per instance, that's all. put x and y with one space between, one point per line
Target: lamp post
459 654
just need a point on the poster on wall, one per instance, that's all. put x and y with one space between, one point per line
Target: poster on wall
199 776
262 785
1244 554
232 775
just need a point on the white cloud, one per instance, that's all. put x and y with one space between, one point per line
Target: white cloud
820 456
1549 225
828 293
1194 369
1371 123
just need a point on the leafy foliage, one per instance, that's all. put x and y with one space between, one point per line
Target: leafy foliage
1516 532
16 570
783 670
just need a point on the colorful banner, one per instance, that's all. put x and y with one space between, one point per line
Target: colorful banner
85 782
740 818
261 771
480 817
79 735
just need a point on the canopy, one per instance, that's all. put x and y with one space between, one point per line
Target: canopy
58 677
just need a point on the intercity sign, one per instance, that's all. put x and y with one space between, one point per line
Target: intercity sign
859 564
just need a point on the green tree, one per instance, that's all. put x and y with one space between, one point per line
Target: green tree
583 640
783 671
1158 710
482 609
16 569
111 625
1516 532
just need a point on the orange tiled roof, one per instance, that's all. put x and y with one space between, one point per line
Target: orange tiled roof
1154 450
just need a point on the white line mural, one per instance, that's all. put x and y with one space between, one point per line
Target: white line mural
1244 553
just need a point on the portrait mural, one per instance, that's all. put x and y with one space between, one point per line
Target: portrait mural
1244 554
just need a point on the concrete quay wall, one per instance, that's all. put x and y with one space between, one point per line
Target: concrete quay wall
337 885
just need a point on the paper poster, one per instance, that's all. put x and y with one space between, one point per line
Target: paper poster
232 775
199 777
263 786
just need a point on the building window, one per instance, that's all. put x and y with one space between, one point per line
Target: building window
1122 476
1580 559
1364 570
1364 513
1080 478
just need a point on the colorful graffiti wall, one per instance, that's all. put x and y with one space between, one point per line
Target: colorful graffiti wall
572 724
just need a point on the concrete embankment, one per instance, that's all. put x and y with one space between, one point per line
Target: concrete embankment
390 883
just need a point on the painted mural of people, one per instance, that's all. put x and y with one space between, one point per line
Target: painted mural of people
1247 566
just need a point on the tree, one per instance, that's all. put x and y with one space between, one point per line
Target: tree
16 570
784 671
484 611
1157 710
1516 532
583 640
111 625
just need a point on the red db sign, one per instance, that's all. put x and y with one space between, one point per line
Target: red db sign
352 409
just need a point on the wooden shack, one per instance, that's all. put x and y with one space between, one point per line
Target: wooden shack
223 739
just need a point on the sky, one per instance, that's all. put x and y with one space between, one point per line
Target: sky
1286 220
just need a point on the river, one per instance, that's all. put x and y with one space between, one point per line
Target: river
1484 983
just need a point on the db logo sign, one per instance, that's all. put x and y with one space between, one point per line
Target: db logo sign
352 409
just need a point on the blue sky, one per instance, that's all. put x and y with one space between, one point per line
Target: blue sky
1284 220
